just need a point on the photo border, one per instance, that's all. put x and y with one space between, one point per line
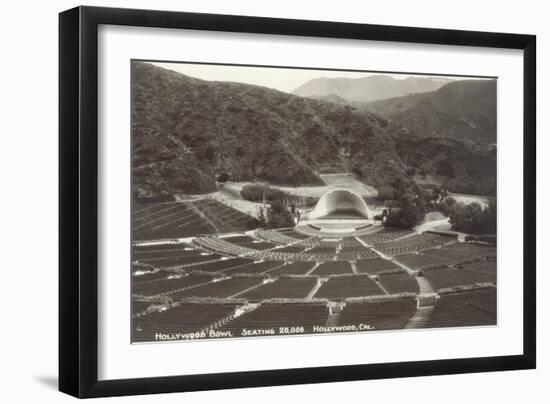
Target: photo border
78 200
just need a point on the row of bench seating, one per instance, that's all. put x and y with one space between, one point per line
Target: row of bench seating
411 244
384 235
276 237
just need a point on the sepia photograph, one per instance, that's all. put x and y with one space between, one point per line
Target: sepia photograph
277 201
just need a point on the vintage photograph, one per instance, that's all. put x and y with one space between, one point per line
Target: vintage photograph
271 201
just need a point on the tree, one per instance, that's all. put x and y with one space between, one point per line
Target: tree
385 192
292 208
206 152
223 177
447 167
405 217
488 222
444 193
438 194
466 218
470 218
446 206
278 216
261 217
409 213
411 171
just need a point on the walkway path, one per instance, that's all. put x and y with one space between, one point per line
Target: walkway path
242 292
312 269
334 315
317 286
424 285
420 318
422 314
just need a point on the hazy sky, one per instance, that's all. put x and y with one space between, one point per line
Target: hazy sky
281 79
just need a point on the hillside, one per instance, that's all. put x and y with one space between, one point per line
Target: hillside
369 88
463 167
389 108
189 131
463 110
331 98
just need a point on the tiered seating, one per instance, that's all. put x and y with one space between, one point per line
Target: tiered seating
222 246
328 243
276 255
258 245
462 251
291 249
158 248
186 219
275 237
276 315
283 288
352 245
384 235
225 218
323 250
255 267
374 266
399 283
285 256
139 307
355 248
366 253
485 267
382 315
342 287
294 234
150 276
418 261
239 239
309 242
295 268
168 220
249 242
178 258
320 254
412 244
220 265
165 285
449 278
309 231
465 309
333 268
324 247
185 318
224 288
348 242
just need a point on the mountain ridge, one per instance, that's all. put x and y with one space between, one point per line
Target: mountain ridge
369 88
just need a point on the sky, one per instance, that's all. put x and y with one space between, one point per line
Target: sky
282 79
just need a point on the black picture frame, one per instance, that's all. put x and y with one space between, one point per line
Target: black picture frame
78 201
